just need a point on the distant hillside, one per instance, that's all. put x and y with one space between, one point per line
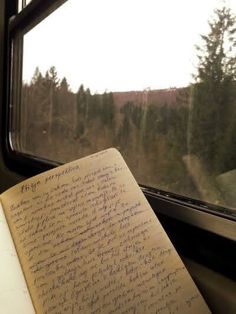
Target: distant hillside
159 97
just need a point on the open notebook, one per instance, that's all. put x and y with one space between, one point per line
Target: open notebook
82 238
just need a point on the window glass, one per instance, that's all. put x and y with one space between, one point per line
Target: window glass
155 79
22 4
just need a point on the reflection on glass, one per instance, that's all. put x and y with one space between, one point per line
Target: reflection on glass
128 74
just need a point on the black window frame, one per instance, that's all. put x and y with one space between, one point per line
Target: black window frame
184 219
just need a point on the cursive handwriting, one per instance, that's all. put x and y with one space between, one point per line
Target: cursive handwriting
90 243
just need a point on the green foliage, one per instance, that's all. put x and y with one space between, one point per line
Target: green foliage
81 101
64 86
150 130
213 94
107 112
94 108
152 136
125 128
137 114
52 75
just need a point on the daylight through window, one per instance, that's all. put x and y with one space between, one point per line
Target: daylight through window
159 86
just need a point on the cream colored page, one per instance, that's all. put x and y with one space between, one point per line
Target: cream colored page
90 243
14 296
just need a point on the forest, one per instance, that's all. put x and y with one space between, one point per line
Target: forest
159 139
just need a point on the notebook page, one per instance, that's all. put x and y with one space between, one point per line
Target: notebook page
90 243
14 296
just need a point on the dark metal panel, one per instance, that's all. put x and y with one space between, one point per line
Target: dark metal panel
195 216
32 14
7 9
15 27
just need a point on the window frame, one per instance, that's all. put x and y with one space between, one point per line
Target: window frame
217 223
20 23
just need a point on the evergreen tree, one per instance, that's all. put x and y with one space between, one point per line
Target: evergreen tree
64 86
54 111
87 105
80 107
125 128
94 106
213 94
81 101
52 73
37 76
151 126
108 110
137 114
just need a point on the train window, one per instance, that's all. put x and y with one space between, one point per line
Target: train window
155 80
22 4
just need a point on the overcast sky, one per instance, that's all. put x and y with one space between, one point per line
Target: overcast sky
120 45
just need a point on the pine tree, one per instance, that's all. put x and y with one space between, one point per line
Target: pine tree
64 86
213 94
53 77
37 77
108 110
81 111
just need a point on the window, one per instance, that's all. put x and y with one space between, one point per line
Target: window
199 230
96 74
22 4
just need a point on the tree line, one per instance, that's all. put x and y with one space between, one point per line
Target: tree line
63 125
